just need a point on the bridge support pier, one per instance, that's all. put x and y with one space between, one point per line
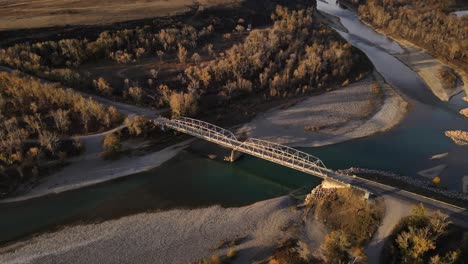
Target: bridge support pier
234 156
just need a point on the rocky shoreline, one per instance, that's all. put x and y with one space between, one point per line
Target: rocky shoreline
412 181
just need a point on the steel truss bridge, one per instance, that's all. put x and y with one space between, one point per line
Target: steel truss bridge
266 150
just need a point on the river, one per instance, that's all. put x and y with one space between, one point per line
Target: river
189 180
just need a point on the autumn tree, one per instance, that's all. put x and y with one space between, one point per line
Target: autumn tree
111 145
181 53
49 140
103 86
136 93
61 119
183 104
335 247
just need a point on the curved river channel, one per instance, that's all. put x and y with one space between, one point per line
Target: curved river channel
189 180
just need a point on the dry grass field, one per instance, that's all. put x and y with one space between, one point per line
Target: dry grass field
22 14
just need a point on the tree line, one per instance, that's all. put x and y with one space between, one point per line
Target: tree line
423 22
31 109
295 55
58 60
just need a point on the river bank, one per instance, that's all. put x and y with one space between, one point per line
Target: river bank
429 68
426 65
159 237
361 109
97 171
358 110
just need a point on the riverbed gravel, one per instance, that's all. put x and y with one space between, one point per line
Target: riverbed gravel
175 236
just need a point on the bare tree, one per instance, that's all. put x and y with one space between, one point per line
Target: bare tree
61 119
154 73
160 55
181 53
49 140
34 122
196 58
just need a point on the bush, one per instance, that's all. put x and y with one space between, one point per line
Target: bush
419 237
111 145
448 77
335 247
232 253
138 125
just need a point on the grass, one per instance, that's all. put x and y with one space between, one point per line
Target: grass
23 14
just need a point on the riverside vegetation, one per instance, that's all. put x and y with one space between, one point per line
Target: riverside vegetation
426 238
294 55
351 221
426 23
35 117
430 25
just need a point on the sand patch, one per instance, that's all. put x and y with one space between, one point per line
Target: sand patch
439 156
357 110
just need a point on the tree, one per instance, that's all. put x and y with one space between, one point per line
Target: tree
196 58
61 119
111 145
210 50
414 243
103 86
49 140
137 125
335 247
160 55
136 93
181 53
154 73
183 104
438 223
240 29
34 122
449 258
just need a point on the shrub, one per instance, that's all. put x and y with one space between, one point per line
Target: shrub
335 247
111 145
231 253
448 77
138 125
103 86
136 93
416 238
